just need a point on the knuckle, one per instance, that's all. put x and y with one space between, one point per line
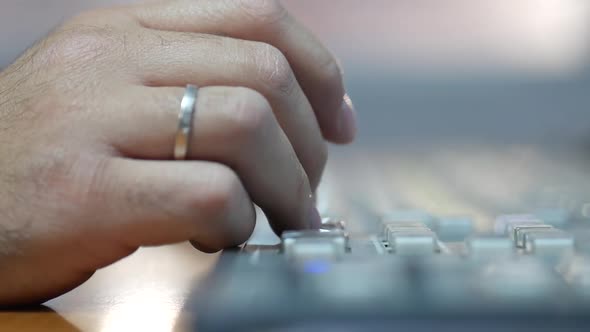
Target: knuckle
78 180
264 12
78 43
274 70
251 116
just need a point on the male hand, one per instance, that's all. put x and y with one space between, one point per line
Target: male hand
88 118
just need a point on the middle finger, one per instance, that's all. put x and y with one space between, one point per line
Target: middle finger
177 59
232 126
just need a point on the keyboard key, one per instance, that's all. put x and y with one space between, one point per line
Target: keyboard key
451 229
516 231
302 245
548 242
489 247
413 242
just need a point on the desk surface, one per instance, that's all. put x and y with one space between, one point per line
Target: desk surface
143 292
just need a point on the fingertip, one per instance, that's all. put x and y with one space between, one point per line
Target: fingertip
347 122
345 128
203 248
314 220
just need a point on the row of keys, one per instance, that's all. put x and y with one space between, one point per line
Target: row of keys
408 234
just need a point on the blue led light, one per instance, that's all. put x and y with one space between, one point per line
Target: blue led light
316 267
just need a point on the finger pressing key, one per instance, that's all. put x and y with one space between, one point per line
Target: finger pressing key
232 126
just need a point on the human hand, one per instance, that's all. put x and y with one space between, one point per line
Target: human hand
88 118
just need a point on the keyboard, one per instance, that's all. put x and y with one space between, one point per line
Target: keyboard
409 269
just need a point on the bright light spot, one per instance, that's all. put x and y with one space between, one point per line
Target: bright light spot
142 310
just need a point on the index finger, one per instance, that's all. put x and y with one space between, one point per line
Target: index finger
268 21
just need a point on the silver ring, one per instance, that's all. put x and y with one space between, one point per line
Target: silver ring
185 122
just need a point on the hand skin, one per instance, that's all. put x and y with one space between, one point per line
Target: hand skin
88 117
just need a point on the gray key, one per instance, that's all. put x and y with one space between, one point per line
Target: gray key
413 242
489 247
453 228
548 242
516 232
314 244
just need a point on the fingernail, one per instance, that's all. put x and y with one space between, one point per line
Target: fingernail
347 119
314 219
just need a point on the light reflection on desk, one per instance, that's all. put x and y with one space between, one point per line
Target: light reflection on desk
144 292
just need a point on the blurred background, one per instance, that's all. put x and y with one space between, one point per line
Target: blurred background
485 99
500 70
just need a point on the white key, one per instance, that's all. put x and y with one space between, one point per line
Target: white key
413 242
548 242
454 228
313 244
